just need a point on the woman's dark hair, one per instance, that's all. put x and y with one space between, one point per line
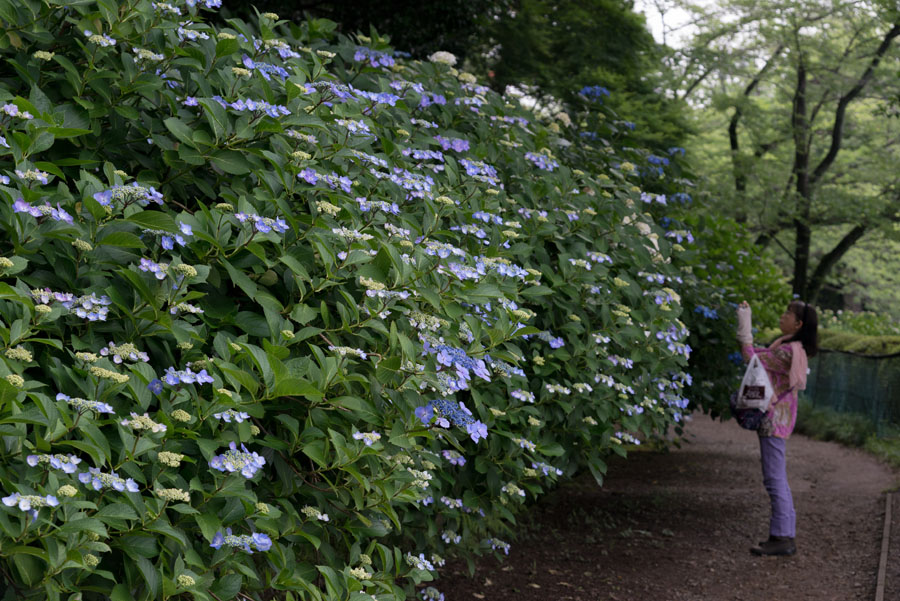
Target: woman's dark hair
808 335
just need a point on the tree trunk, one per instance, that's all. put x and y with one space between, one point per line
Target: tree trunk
800 128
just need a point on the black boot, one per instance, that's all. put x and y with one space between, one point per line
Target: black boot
776 545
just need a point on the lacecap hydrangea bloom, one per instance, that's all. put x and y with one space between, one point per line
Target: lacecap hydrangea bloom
242 461
246 542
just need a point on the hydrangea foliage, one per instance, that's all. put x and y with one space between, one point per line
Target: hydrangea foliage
339 286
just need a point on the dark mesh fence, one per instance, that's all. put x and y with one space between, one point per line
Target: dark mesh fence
854 383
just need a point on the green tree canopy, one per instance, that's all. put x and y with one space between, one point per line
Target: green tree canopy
795 136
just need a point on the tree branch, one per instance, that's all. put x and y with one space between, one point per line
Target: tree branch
740 178
830 260
838 129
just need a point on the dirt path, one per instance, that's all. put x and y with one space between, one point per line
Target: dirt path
678 526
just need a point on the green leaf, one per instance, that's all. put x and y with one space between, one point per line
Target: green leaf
231 161
150 574
84 524
180 130
227 47
122 239
154 220
297 387
68 132
116 511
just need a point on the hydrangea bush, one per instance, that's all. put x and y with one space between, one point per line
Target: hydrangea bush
284 316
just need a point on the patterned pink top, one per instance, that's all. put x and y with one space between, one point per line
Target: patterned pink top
782 414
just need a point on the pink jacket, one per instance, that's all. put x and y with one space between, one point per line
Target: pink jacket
786 365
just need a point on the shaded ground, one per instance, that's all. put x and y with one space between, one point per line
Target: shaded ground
677 526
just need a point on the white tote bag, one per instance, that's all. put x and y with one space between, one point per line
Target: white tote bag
756 389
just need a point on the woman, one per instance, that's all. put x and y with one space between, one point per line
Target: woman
785 361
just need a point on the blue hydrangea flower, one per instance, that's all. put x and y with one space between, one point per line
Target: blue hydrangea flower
30 503
453 457
369 438
143 195
264 225
45 210
99 480
232 415
174 377
85 405
66 463
372 58
242 461
245 542
456 144
542 161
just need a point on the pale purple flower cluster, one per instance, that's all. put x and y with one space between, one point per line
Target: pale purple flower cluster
265 69
480 171
334 181
454 457
472 230
66 463
264 225
456 358
369 158
617 360
487 217
546 469
157 269
13 111
242 461
210 4
247 542
85 405
355 126
505 368
368 438
376 98
30 503
423 154
169 240
192 35
457 144
119 355
143 195
86 307
554 342
174 377
99 480
650 198
101 39
429 99
33 174
442 249
457 414
542 161
496 543
44 210
449 537
232 416
240 105
527 213
366 205
599 258
680 235
418 185
373 58
522 395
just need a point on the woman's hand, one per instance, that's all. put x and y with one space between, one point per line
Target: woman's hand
745 323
